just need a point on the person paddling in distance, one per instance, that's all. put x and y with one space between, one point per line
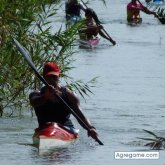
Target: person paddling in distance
133 11
92 27
73 8
49 108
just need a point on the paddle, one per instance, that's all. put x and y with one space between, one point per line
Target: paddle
161 15
140 3
26 56
98 23
161 19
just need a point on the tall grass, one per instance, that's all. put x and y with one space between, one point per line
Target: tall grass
28 21
155 142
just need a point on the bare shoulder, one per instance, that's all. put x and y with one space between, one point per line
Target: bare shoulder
72 95
70 92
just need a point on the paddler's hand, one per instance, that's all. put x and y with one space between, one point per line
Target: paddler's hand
51 93
92 132
47 93
100 26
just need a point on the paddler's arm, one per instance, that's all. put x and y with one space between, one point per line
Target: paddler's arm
105 36
38 98
147 11
75 104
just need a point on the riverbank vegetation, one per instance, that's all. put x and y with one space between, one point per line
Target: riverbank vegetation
155 142
30 22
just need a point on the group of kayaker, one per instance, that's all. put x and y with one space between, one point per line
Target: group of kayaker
48 107
92 24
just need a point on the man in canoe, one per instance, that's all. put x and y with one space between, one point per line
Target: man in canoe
73 8
133 11
49 108
92 27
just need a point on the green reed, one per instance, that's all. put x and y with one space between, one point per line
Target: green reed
156 142
29 22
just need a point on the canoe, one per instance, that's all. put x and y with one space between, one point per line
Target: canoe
91 43
52 136
135 22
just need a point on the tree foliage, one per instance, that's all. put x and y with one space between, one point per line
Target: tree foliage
29 21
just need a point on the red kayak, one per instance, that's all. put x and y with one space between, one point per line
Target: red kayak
53 135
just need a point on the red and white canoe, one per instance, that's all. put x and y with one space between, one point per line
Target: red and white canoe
53 135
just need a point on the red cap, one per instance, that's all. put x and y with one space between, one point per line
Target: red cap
51 68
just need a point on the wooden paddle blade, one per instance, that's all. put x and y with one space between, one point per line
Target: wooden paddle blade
101 143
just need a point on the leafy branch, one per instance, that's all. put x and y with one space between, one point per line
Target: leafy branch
156 143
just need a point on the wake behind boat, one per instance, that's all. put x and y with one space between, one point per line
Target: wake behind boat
53 136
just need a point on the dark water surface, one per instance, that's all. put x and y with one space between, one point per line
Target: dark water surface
129 96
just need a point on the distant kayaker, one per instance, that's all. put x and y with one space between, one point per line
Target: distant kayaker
133 10
92 27
158 0
49 108
73 8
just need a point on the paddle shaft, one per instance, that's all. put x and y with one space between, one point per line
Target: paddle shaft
29 61
97 22
143 5
158 17
140 2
